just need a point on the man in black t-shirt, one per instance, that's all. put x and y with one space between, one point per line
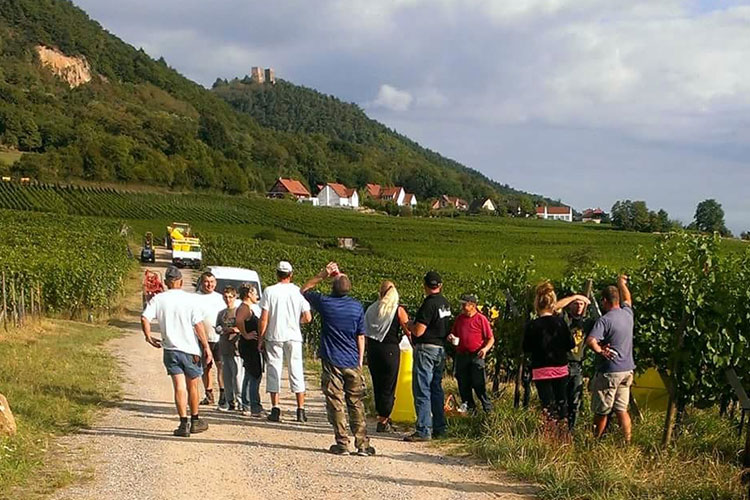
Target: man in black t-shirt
429 330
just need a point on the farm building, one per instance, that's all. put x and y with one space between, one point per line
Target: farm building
555 213
337 195
286 187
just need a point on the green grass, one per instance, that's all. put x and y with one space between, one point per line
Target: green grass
702 464
55 377
9 157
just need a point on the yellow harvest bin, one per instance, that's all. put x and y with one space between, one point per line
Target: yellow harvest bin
649 391
403 408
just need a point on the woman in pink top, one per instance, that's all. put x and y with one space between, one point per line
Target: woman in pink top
548 339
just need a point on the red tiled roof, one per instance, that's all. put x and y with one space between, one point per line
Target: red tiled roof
407 198
292 186
389 193
554 210
373 190
590 212
339 189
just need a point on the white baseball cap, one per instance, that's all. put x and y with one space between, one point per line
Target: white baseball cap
284 267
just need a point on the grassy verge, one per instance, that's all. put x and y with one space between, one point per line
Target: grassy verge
55 376
703 463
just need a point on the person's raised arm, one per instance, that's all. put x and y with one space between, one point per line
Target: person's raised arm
563 303
622 286
318 278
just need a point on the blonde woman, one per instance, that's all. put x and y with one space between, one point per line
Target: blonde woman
385 321
548 339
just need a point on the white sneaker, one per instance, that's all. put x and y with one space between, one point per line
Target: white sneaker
224 407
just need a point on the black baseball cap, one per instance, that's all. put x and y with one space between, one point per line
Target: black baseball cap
432 279
468 297
173 274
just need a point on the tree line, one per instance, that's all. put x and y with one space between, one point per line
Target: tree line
635 216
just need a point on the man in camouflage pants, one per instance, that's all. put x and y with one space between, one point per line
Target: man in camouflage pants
342 350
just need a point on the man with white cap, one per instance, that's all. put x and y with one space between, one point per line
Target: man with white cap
283 309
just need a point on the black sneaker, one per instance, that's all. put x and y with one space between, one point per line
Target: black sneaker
275 415
365 452
222 399
416 438
385 427
338 449
198 425
183 430
301 415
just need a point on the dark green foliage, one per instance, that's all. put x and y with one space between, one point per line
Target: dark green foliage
709 217
384 155
635 216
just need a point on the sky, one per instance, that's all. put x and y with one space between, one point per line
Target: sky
588 101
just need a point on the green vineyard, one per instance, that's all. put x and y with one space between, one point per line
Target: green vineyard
76 264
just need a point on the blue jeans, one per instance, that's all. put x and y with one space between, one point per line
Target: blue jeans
427 385
251 393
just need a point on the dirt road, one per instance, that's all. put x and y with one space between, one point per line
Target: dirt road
134 455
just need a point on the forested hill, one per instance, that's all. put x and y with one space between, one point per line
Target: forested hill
288 107
82 104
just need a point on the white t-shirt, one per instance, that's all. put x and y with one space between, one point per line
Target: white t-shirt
285 305
177 312
212 304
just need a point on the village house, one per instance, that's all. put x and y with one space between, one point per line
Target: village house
397 195
482 205
594 215
555 213
291 187
450 202
337 195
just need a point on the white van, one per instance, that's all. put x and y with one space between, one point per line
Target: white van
234 276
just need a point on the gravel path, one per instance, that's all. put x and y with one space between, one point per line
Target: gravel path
134 455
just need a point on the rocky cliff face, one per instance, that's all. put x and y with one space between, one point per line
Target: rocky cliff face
74 70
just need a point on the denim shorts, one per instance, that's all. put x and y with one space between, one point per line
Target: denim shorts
178 362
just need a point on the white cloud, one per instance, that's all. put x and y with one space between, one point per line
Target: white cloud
391 98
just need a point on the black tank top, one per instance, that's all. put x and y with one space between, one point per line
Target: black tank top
394 332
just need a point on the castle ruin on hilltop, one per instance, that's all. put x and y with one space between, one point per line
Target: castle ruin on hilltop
259 75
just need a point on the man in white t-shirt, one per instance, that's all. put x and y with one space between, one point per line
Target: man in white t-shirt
182 335
212 303
283 309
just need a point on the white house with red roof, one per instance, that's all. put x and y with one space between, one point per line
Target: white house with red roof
333 194
397 195
555 213
290 187
594 215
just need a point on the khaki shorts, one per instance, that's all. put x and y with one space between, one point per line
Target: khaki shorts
610 391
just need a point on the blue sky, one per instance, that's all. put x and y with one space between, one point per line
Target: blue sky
589 101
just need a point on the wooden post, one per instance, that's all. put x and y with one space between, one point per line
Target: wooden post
5 304
14 302
22 308
671 384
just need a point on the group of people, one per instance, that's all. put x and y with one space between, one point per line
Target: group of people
556 341
244 335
